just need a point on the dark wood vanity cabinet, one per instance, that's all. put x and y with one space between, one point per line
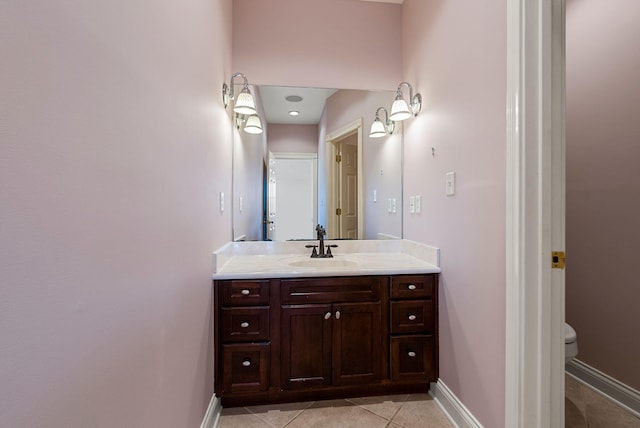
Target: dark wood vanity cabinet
311 338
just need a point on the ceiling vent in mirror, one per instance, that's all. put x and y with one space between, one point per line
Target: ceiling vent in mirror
293 98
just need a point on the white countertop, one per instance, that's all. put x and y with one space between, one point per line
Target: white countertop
247 260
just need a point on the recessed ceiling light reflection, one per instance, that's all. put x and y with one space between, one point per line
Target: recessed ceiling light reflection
294 113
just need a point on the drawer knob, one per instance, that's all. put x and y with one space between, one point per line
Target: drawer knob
327 315
411 286
411 354
245 292
246 363
244 324
337 315
412 317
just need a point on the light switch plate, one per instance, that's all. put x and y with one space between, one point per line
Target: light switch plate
412 204
393 205
450 183
418 204
375 195
240 203
221 202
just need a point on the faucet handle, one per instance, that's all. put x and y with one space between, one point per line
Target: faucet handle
314 253
329 247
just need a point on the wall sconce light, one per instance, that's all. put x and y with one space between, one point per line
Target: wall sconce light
244 107
380 129
400 110
250 124
253 125
245 104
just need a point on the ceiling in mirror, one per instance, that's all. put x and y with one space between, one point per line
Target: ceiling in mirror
279 101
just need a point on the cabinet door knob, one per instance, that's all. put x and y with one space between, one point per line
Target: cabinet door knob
245 292
327 315
411 354
411 287
412 317
244 324
246 363
337 315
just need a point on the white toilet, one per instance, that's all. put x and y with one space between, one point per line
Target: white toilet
570 343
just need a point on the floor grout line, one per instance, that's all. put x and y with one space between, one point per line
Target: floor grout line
301 412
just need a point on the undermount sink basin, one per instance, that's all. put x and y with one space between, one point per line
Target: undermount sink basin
319 262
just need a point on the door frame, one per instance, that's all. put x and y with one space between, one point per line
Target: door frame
331 169
535 226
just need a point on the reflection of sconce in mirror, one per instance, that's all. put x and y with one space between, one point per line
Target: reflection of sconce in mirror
380 129
250 124
400 110
244 107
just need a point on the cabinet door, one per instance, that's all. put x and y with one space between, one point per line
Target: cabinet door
357 343
306 346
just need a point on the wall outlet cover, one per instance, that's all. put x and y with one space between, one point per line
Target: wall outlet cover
450 183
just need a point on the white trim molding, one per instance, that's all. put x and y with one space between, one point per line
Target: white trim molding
534 381
452 407
354 127
212 415
616 391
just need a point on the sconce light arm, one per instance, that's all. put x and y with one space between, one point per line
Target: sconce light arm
414 100
390 124
228 93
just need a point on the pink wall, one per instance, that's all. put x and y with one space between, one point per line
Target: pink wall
603 184
455 54
115 146
293 138
329 43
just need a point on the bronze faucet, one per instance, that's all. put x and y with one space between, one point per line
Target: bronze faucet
321 232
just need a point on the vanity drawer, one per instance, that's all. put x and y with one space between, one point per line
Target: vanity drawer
330 290
412 316
246 367
245 292
245 324
413 358
412 286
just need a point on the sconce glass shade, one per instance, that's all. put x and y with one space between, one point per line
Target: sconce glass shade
253 125
400 109
245 104
378 129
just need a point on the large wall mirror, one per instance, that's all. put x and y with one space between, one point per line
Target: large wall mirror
315 163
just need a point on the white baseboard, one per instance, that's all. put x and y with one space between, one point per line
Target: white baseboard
212 415
614 390
452 407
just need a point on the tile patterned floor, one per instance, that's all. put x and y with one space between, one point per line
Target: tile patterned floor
585 408
392 411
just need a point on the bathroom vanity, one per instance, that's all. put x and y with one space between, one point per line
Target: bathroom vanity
293 329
